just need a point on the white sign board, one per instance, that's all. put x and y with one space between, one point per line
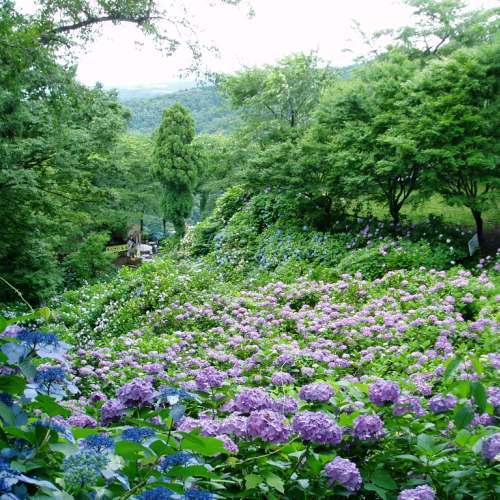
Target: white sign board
473 244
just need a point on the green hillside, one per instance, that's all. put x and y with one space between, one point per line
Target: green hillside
209 109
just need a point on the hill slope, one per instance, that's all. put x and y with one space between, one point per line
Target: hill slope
210 110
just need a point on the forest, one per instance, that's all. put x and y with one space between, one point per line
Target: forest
321 317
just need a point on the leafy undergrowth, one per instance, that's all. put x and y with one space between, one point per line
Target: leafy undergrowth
181 385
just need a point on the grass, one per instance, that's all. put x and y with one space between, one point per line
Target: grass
435 205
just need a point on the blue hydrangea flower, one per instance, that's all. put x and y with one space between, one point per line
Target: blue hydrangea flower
137 434
50 375
34 338
169 393
198 495
159 493
177 458
83 469
98 442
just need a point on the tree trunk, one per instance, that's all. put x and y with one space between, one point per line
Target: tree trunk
203 202
164 227
141 232
394 211
479 227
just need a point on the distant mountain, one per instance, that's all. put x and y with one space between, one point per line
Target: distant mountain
210 109
153 90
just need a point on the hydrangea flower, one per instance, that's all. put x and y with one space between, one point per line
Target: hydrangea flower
229 444
408 404
98 443
136 393
249 400
317 391
345 472
419 493
50 375
177 458
171 394
235 424
137 434
317 427
35 338
194 494
383 391
82 469
282 378
285 405
491 447
81 420
440 403
368 427
112 410
209 378
159 493
269 426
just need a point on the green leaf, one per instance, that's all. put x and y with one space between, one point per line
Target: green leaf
275 482
206 446
477 365
79 433
7 414
161 448
43 312
3 324
463 416
50 406
479 394
190 471
380 491
382 478
425 442
462 437
12 384
252 481
411 458
461 388
130 449
451 366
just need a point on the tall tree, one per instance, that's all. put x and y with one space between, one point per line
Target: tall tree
358 131
456 126
175 164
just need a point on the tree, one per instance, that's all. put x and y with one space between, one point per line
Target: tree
359 131
278 100
456 126
175 164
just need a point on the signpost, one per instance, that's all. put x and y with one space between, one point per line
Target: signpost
473 244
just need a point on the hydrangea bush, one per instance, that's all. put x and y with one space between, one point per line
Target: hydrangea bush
174 383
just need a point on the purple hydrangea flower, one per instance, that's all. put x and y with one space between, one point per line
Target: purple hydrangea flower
269 426
317 427
491 447
209 378
136 393
494 396
408 404
285 405
112 410
81 420
282 378
419 493
229 444
345 472
383 391
235 424
317 391
440 403
249 400
368 427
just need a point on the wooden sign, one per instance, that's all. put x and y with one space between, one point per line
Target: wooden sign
117 248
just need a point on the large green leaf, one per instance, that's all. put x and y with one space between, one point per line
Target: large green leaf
206 446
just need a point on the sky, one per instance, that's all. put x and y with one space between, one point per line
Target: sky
278 28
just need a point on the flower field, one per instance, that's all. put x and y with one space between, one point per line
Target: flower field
176 385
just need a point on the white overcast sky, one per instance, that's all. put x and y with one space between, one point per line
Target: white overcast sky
279 27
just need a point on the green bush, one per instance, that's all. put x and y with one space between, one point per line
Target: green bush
90 261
